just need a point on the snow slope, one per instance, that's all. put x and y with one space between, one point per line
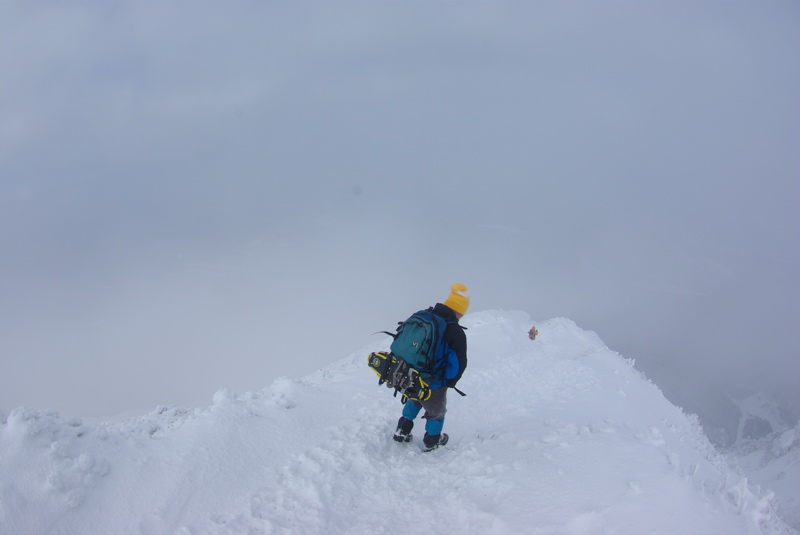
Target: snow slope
556 436
773 461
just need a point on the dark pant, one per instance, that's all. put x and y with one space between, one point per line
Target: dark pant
435 409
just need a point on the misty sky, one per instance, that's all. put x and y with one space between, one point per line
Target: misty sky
204 195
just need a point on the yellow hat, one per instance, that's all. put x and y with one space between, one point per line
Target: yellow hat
458 299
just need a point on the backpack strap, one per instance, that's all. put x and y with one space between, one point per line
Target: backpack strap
393 335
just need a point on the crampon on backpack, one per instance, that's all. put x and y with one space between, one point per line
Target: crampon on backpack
416 358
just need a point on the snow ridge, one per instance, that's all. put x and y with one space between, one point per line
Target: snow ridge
556 436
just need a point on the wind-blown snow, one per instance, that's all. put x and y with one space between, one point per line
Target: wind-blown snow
556 436
767 449
774 462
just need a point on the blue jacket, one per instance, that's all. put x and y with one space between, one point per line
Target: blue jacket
455 341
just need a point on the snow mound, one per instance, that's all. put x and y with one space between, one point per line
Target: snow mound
556 436
774 462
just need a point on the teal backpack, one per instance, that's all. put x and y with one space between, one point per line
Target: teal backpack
416 359
420 342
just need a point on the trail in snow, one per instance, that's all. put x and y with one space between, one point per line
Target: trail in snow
556 436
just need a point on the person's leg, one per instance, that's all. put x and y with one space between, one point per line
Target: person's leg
435 409
411 409
406 421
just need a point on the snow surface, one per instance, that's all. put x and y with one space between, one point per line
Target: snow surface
774 462
769 452
556 436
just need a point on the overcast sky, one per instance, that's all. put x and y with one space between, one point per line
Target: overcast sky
196 196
